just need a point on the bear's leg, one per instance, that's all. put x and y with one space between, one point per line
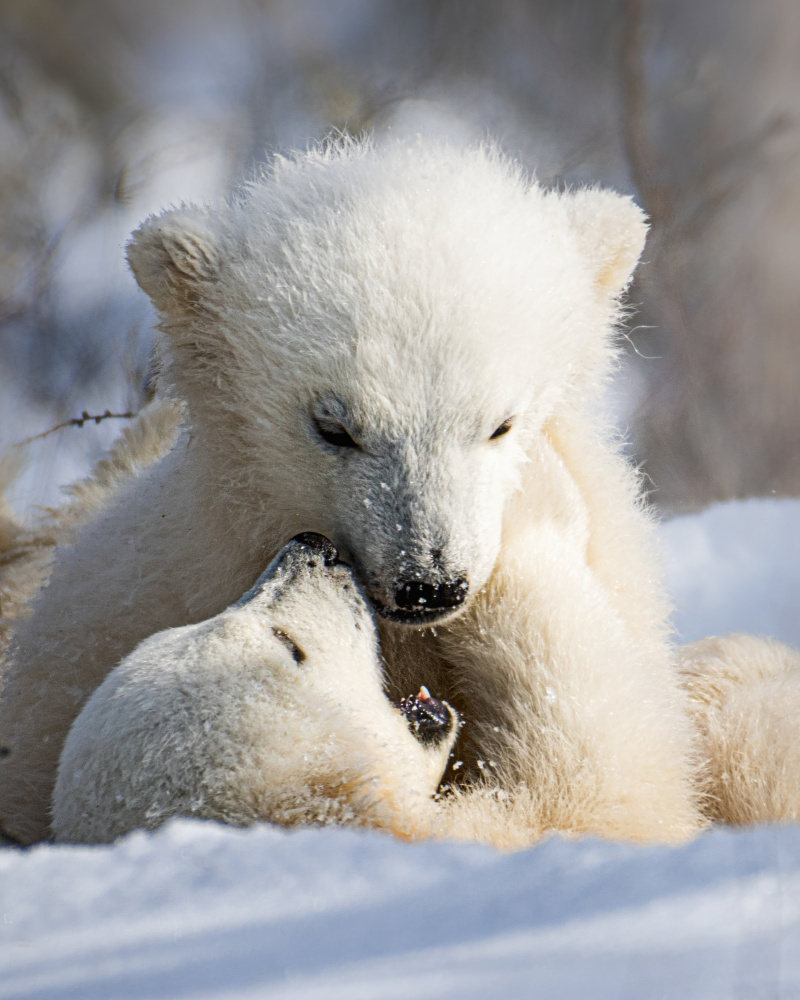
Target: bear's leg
569 707
745 698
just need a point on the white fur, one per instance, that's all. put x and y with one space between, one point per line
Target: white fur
419 296
745 697
272 710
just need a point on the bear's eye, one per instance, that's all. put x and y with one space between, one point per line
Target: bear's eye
334 433
504 428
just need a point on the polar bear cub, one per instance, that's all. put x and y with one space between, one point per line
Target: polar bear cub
400 346
273 710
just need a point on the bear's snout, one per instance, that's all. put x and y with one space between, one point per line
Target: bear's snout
306 552
320 544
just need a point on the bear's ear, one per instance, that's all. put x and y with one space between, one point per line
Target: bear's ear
174 259
611 231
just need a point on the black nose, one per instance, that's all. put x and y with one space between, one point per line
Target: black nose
418 596
319 543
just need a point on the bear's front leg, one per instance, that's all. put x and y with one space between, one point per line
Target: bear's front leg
570 711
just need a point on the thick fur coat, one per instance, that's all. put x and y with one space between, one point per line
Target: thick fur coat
400 347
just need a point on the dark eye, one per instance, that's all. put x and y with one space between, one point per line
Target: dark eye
504 428
334 434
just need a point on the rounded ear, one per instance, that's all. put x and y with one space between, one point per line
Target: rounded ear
174 258
611 231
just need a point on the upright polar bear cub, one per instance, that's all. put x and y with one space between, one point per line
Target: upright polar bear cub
400 347
272 710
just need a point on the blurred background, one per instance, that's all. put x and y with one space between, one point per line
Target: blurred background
111 110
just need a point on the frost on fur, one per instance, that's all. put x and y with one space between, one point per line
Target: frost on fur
400 347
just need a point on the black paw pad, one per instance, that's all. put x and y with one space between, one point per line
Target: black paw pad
429 719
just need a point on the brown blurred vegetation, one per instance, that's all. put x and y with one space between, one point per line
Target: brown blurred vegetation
107 108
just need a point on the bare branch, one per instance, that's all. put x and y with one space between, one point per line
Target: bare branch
641 157
85 417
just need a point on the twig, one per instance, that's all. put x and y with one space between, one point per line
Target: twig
78 422
641 158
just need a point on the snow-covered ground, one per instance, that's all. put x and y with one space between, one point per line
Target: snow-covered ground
736 568
197 911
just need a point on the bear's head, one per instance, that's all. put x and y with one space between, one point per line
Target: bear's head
370 338
317 710
273 709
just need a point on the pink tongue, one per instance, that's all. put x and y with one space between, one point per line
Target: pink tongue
424 694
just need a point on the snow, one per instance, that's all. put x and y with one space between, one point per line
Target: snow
200 912
736 568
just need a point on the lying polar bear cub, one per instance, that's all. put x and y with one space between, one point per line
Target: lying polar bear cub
273 710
